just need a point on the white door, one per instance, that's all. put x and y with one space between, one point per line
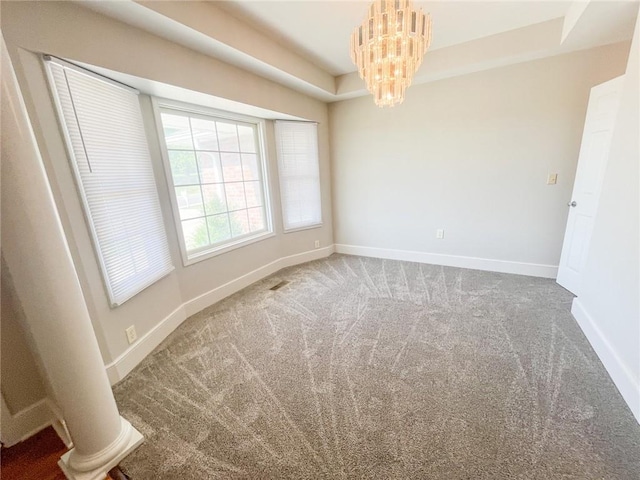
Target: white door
594 153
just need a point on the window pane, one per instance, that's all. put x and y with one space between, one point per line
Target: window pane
219 228
177 133
183 167
253 194
247 139
210 169
239 223
235 196
189 202
231 167
228 137
195 234
256 219
218 179
214 199
250 167
204 134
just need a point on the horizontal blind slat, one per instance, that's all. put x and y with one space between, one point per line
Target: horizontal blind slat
299 173
111 161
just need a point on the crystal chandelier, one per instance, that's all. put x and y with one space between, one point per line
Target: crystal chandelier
388 48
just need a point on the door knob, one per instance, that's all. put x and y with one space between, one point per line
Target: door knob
571 204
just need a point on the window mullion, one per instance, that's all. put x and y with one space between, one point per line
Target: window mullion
223 130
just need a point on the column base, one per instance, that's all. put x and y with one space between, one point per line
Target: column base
100 472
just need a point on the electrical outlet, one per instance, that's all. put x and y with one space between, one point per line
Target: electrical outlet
440 233
316 244
552 179
131 334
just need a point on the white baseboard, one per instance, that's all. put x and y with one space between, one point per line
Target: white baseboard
474 263
126 362
213 296
60 427
59 424
618 371
25 423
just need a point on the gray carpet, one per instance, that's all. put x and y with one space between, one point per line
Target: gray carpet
364 368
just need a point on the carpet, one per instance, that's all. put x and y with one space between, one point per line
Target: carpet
362 368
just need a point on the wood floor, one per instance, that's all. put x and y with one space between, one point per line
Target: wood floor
37 459
34 459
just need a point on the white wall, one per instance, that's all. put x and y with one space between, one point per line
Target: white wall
22 384
469 155
608 303
70 31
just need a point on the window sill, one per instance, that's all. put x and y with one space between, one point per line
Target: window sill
243 242
300 229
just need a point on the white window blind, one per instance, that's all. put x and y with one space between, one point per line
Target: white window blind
109 154
298 168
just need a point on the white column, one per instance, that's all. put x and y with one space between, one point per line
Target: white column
38 257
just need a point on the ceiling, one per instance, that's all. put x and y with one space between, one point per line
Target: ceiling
304 45
320 30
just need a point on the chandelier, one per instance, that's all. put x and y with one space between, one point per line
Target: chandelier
388 48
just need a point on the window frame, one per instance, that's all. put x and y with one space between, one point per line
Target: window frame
319 224
206 113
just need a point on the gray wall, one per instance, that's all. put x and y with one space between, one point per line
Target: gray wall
22 384
469 155
609 294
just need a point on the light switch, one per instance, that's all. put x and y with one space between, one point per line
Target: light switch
552 179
